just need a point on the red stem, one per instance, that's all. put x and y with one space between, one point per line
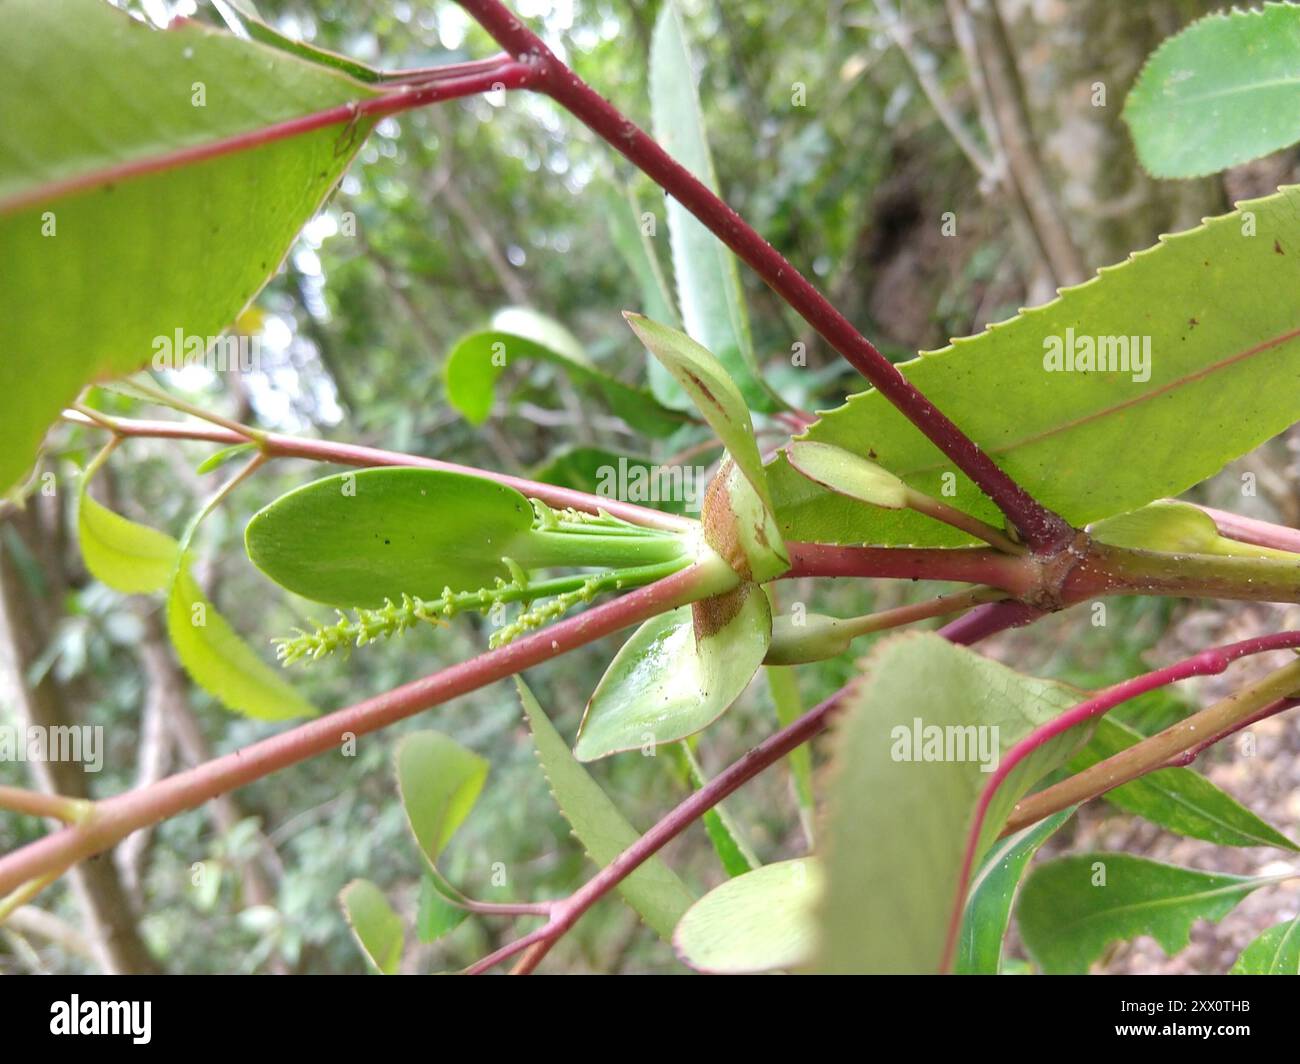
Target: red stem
486 75
278 445
1208 662
989 619
114 817
568 911
1041 528
1271 710
971 565
1251 530
994 618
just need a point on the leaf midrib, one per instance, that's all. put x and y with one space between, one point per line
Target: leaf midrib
1274 966
1244 885
1213 818
1272 83
1056 430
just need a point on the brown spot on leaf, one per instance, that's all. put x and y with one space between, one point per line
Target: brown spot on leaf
704 388
711 615
721 531
1277 248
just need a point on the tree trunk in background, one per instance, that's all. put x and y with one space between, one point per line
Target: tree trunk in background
26 623
1070 54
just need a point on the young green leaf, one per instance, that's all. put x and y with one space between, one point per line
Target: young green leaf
121 553
813 637
1177 528
759 922
220 662
102 217
848 474
439 781
992 893
516 333
221 457
708 281
1275 952
377 929
910 763
1072 908
1177 799
653 890
1221 92
711 389
1197 322
677 674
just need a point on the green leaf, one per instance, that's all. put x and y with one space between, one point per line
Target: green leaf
436 915
220 662
677 674
260 31
121 553
632 241
708 281
898 818
477 360
1092 444
221 457
783 684
113 241
1176 528
846 473
356 539
361 539
1072 908
1177 799
1275 952
440 781
375 926
728 843
759 922
1223 91
992 893
653 890
712 391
